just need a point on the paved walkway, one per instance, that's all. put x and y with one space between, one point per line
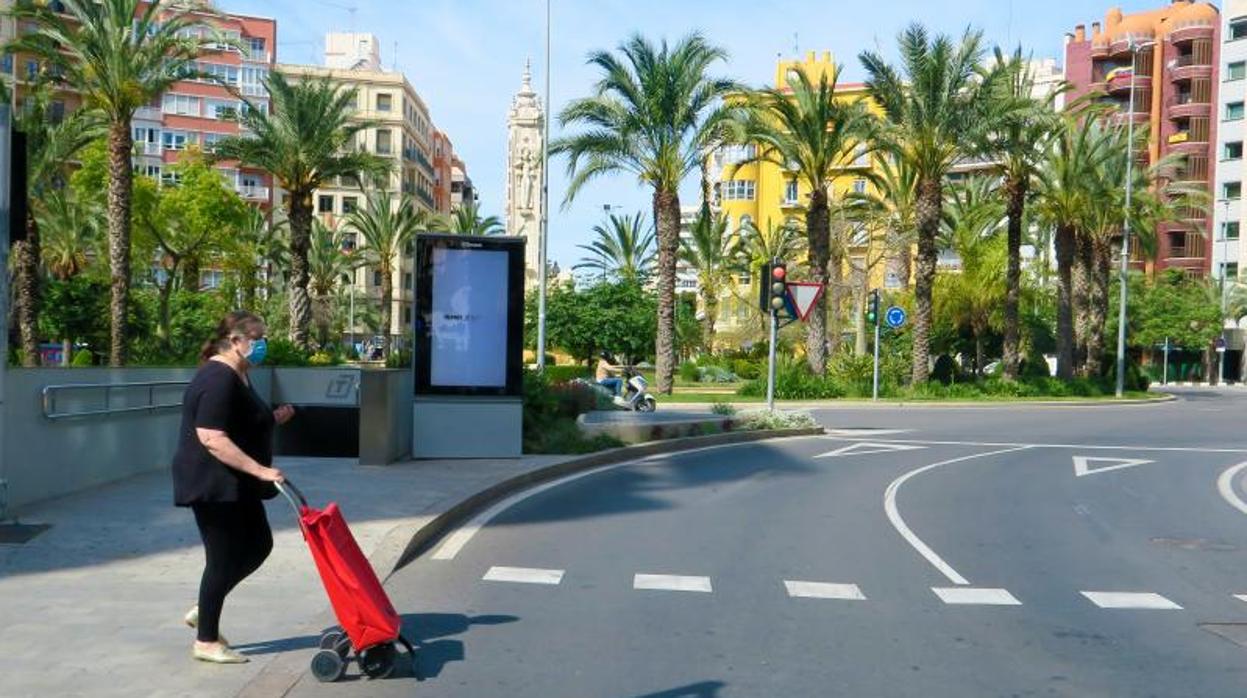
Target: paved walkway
93 606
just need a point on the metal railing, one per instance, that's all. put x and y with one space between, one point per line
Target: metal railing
50 392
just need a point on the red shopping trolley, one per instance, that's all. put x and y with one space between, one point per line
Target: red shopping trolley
370 627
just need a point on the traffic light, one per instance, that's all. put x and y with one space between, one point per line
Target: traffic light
872 309
777 293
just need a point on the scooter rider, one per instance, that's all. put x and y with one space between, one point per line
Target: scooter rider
603 375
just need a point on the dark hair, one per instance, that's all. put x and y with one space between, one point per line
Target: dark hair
239 323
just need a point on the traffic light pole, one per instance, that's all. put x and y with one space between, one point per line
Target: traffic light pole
875 391
770 369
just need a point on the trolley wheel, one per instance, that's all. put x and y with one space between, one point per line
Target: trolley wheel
378 661
328 666
330 639
647 405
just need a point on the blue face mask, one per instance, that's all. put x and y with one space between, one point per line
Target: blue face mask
259 349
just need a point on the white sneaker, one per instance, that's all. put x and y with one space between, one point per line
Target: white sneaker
192 619
218 654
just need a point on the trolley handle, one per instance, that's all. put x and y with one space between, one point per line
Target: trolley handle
292 494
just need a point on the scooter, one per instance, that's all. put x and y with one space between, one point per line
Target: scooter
636 395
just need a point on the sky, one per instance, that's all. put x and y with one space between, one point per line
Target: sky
465 58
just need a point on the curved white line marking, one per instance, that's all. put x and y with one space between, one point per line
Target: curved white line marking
454 542
1225 485
894 515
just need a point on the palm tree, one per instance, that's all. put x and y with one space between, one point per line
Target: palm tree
972 224
306 138
932 112
1063 199
890 205
653 113
759 246
467 220
809 129
50 145
1019 126
387 231
118 55
69 232
254 254
623 249
710 251
331 263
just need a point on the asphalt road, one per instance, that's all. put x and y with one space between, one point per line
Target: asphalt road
994 551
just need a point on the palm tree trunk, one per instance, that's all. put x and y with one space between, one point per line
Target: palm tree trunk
120 191
860 281
667 215
835 286
166 291
1082 294
1065 252
300 213
1015 191
898 258
979 330
818 237
930 200
67 351
1097 305
710 301
26 291
387 310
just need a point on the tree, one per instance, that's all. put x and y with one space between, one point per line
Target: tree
118 55
1018 128
69 228
891 205
192 215
623 249
331 262
387 231
75 308
808 128
932 112
255 254
467 220
307 137
652 114
611 316
709 251
51 143
972 296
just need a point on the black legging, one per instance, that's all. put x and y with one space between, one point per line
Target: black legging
236 540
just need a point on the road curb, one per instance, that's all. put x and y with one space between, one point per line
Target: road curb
406 541
933 404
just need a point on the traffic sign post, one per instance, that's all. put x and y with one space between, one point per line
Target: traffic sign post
778 293
895 317
1220 345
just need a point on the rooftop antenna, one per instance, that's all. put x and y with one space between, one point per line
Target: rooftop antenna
796 46
394 58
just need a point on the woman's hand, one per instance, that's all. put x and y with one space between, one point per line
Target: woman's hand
271 475
283 414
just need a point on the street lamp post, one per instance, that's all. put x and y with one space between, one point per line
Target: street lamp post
545 211
1125 231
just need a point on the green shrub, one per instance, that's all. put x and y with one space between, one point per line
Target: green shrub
82 358
689 372
398 358
322 358
283 352
1035 366
549 413
726 409
856 374
715 374
746 369
793 381
766 419
946 370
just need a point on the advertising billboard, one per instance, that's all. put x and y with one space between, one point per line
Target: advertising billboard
469 322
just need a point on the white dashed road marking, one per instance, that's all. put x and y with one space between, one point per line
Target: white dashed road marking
823 590
976 596
1131 599
671 582
523 575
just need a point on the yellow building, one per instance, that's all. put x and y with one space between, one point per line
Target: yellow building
766 193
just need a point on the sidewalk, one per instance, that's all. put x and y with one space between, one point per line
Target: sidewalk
93 606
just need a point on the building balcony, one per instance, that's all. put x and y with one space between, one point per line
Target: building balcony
1183 33
253 193
147 114
1099 51
1184 108
1122 117
1187 141
1186 70
148 149
1119 81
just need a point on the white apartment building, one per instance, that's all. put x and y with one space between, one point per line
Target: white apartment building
1228 252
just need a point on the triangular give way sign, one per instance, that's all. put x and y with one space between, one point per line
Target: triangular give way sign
804 295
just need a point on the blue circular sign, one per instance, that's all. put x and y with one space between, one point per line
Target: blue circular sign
895 317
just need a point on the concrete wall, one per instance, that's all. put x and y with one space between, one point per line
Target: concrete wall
384 426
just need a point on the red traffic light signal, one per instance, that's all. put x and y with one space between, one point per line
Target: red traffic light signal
778 273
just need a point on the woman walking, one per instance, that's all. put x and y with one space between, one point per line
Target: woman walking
223 470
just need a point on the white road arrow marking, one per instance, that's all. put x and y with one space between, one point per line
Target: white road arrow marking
1083 465
866 448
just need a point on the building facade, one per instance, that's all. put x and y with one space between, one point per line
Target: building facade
1229 255
1176 54
525 201
443 152
402 132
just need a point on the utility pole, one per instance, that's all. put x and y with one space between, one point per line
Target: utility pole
545 211
1125 230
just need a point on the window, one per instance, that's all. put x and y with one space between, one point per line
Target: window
252 81
1229 230
178 140
32 69
256 49
860 158
211 278
1232 190
407 315
170 178
383 141
791 192
184 105
859 186
348 204
733 154
56 111
385 102
1234 111
222 110
227 74
152 171
1236 70
348 244
211 139
376 278
6 64
738 190
324 204
1233 151
1229 270
1238 29
407 281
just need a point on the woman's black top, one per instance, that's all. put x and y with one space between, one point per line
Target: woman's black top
217 398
